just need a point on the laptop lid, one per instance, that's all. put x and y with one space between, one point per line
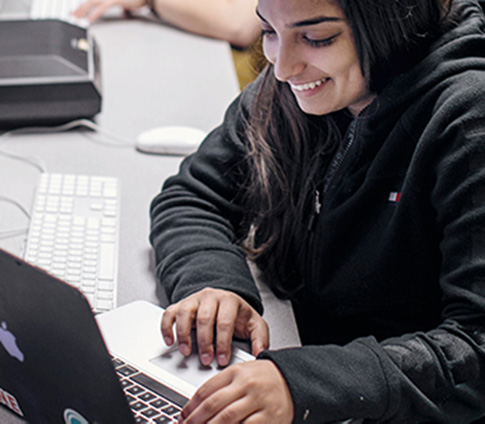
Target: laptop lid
54 366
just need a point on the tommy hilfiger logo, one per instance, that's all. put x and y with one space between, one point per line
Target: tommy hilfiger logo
394 196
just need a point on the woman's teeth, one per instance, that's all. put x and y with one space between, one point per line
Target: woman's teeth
309 86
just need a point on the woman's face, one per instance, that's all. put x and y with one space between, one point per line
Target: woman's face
311 46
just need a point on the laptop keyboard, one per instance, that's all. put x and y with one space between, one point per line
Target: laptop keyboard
150 401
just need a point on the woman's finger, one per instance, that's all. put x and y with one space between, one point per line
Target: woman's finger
206 318
226 319
186 313
168 320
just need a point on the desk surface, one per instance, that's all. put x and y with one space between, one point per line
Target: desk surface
152 75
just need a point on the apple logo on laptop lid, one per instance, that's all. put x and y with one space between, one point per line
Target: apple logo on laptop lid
8 340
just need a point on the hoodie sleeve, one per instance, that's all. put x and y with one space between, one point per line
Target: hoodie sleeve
196 219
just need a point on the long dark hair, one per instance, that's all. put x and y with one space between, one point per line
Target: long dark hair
290 150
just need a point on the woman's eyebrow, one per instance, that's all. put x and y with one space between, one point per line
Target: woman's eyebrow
306 22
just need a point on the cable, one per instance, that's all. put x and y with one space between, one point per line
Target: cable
36 162
15 203
13 232
4 234
68 126
39 163
95 127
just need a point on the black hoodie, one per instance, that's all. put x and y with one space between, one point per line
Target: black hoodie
392 314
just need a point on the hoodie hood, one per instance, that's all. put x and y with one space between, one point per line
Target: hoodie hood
459 50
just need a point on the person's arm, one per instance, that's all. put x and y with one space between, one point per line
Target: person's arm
234 21
92 10
197 219
196 233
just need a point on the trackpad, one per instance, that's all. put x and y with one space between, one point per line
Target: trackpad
189 368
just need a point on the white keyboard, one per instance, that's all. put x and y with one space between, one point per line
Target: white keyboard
74 234
54 9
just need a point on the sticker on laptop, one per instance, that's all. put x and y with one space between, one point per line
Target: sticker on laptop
74 417
10 402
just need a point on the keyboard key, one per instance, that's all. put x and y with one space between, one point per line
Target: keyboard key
159 403
171 410
127 370
135 390
147 397
137 406
107 255
131 400
150 413
163 420
160 389
126 383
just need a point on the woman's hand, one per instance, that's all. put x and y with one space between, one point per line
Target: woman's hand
94 9
214 312
250 392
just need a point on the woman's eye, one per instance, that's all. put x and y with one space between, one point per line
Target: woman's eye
266 32
320 42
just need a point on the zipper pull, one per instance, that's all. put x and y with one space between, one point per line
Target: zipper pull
317 207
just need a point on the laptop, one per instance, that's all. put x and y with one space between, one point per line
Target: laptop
61 364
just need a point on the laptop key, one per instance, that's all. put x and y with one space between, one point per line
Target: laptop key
130 399
160 389
159 403
117 362
126 383
126 371
163 420
170 410
135 390
147 397
136 406
149 413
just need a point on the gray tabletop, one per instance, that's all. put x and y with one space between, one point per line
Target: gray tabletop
152 75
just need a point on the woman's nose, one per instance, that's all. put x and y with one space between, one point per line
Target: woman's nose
287 63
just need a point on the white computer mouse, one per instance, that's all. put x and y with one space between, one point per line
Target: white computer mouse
171 140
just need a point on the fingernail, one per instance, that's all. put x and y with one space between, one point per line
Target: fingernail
168 341
184 349
206 359
222 360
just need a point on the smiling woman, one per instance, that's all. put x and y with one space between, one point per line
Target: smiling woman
351 172
316 57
